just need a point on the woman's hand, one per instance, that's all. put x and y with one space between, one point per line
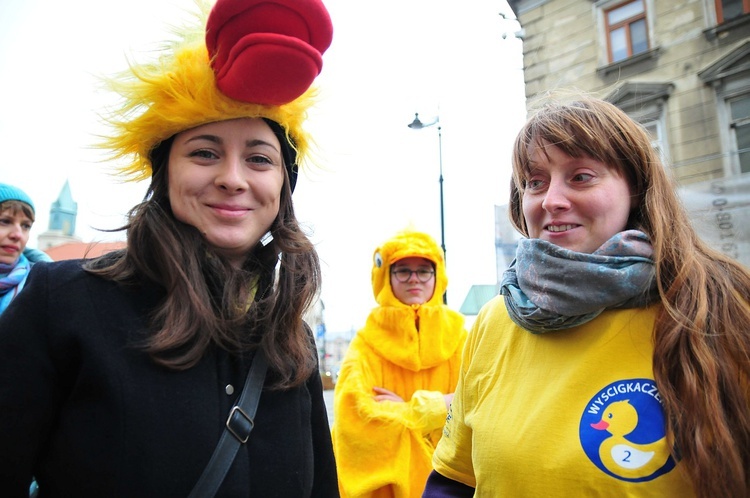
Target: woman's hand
386 395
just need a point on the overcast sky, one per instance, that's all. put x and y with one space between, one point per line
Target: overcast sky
388 60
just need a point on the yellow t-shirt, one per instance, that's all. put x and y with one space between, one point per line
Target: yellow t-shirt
569 413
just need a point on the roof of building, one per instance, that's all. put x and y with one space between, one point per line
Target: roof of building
65 200
83 250
477 297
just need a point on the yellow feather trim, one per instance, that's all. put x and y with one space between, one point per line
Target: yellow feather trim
178 92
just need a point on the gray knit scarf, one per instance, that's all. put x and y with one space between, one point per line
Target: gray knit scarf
549 288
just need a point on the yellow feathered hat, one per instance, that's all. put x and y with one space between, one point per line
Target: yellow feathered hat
246 59
405 244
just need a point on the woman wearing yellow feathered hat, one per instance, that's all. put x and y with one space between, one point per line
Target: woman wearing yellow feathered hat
125 375
397 379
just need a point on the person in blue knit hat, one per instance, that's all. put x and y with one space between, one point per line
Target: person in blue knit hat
16 219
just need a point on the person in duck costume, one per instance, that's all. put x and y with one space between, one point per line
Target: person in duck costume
399 373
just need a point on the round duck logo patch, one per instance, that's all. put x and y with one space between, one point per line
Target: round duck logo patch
622 431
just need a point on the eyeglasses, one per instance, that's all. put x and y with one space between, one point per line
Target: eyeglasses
404 274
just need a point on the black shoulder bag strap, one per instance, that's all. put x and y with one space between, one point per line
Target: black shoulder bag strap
237 430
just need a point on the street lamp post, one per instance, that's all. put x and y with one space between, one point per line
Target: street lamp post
417 124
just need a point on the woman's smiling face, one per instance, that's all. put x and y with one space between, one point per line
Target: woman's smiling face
225 179
575 203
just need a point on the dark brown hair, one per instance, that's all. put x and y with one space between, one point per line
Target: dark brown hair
206 300
702 333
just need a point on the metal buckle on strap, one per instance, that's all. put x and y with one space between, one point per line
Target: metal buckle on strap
239 424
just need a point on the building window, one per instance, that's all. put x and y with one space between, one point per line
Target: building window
739 112
729 77
726 10
627 31
655 127
647 104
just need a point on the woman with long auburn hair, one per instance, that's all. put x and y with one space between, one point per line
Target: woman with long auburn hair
616 361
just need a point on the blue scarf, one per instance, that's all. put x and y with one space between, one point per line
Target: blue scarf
551 288
11 277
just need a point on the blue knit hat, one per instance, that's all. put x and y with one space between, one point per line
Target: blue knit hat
11 193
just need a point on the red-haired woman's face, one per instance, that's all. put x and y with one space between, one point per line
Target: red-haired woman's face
575 203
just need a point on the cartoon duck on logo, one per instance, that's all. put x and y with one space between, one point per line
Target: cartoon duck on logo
622 457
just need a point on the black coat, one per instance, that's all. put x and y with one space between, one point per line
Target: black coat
91 415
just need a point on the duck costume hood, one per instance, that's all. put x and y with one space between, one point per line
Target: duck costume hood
244 59
415 336
406 244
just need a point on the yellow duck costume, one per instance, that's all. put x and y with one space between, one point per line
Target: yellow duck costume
384 449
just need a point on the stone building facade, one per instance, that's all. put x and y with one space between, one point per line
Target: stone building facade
680 67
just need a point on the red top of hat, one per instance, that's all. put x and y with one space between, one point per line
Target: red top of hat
267 51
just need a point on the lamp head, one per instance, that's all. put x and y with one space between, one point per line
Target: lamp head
416 124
